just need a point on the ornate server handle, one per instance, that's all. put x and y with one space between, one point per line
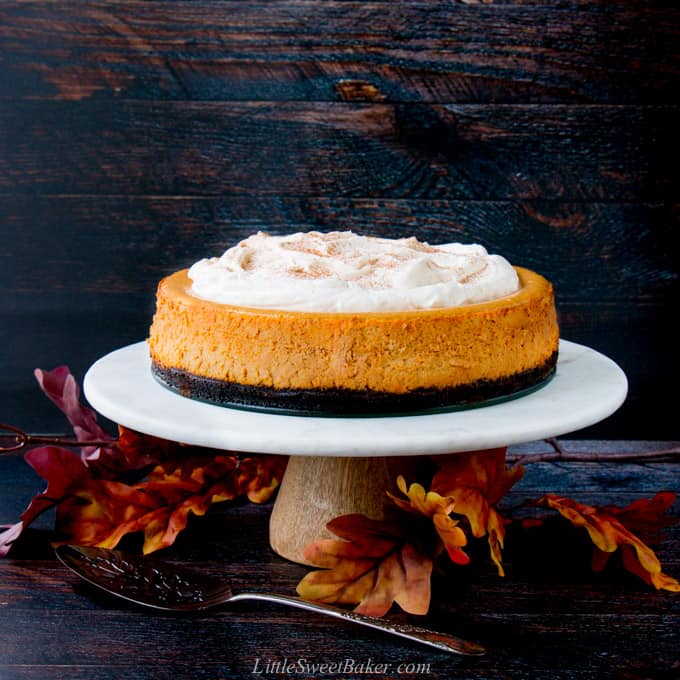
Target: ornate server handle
441 641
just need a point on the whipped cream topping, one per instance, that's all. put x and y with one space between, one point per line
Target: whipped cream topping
344 272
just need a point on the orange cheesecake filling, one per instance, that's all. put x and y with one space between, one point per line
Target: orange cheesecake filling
395 352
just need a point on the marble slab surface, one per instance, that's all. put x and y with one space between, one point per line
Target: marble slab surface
587 387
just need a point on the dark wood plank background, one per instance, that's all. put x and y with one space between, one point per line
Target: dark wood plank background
136 137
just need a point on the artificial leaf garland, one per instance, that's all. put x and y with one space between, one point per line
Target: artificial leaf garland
140 483
461 501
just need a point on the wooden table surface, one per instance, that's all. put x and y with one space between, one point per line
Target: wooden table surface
137 137
550 617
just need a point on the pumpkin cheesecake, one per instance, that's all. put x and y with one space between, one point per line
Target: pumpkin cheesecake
336 323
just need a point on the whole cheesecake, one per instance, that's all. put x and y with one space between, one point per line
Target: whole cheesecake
335 323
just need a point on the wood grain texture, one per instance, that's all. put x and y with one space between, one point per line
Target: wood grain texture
49 330
414 151
82 271
137 137
575 52
549 617
325 488
602 252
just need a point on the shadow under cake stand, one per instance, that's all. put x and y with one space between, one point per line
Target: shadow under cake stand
339 465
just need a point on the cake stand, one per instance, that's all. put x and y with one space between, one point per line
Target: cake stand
339 465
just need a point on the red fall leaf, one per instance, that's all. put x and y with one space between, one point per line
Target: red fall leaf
65 473
61 387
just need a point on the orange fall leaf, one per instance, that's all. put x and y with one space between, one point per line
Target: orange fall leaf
372 566
608 531
476 481
438 508
100 511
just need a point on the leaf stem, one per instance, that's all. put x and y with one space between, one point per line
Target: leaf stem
560 454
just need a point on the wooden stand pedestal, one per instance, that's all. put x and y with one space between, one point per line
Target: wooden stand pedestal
315 489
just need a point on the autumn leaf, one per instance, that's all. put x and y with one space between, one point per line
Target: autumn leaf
476 481
260 476
379 562
438 508
373 565
96 510
137 483
647 518
608 531
65 473
103 511
133 451
61 387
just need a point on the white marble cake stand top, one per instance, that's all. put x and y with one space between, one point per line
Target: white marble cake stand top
587 387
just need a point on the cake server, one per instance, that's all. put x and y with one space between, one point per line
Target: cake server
161 585
14 439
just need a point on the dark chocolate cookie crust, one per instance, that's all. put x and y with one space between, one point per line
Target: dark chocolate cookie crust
332 402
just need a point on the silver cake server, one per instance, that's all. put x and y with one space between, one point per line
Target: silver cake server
161 585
